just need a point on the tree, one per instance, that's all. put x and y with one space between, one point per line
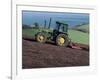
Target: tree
24 26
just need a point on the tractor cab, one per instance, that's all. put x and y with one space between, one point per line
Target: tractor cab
61 27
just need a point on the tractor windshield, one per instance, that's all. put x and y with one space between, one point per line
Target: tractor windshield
62 27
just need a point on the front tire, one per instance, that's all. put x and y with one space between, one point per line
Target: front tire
62 40
40 37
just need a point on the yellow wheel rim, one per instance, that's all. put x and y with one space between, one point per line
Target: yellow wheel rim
61 40
40 38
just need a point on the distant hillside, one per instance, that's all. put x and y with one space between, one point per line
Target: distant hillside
24 26
82 28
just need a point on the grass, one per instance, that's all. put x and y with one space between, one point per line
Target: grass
33 32
29 32
78 36
84 28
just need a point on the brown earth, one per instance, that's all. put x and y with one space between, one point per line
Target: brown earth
43 55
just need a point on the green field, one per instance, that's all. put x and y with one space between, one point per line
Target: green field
78 36
74 35
32 32
29 32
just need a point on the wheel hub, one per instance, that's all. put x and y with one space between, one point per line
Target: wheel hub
41 38
61 40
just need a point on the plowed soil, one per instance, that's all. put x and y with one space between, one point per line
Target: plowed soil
44 55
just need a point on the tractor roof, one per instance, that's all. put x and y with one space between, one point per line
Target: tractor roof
59 22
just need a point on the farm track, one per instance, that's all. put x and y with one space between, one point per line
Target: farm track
36 55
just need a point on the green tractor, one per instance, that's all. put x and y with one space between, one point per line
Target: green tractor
59 35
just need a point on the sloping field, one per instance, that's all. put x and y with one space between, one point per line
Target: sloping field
29 32
85 27
78 36
32 32
82 28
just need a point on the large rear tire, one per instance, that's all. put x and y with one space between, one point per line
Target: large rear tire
62 40
41 37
